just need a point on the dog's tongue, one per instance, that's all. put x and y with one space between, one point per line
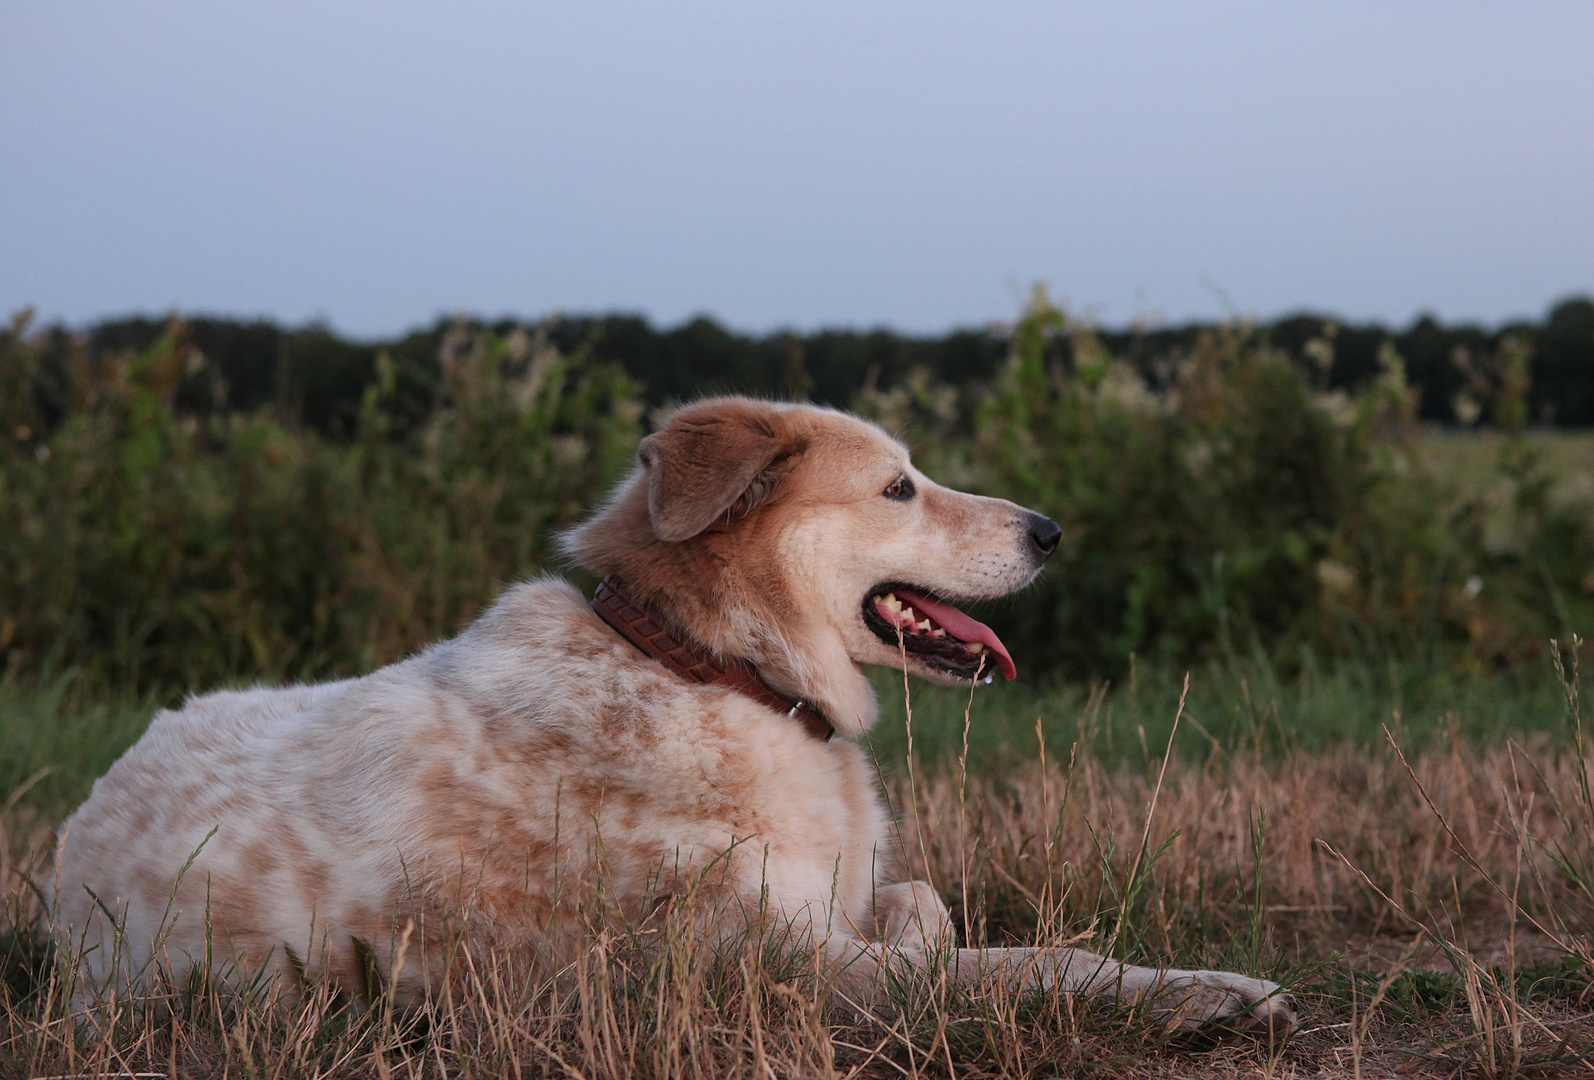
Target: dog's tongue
960 626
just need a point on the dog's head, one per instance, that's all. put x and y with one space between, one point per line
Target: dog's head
805 540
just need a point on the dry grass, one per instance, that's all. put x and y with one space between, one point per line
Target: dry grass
1434 919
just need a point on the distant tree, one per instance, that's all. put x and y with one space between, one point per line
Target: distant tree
312 376
1563 368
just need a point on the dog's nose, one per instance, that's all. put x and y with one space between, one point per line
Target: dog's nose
1045 533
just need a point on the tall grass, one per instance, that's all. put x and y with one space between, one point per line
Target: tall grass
57 737
1429 905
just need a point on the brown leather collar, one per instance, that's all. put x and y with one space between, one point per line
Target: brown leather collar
689 660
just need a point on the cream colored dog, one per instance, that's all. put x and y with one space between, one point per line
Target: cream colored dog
460 792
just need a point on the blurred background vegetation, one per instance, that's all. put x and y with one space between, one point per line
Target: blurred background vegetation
191 503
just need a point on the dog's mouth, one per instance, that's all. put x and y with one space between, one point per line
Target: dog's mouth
935 632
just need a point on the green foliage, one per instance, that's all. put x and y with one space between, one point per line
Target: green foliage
147 547
154 538
1236 509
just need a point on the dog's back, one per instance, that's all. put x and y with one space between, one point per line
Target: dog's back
464 793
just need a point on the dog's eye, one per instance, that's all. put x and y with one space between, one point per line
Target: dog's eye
900 489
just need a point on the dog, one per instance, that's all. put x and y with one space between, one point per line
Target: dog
700 713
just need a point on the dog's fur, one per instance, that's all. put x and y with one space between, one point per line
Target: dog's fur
455 791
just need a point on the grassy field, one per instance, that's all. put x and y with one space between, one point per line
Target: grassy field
1427 898
1471 458
1242 704
1470 463
1375 788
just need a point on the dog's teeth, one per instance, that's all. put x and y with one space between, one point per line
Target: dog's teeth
975 647
925 626
891 602
907 615
938 632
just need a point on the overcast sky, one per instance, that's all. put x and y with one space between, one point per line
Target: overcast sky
794 164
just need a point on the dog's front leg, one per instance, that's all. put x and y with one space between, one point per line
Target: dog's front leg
1184 999
911 916
909 927
913 931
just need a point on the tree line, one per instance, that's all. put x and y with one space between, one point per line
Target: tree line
316 377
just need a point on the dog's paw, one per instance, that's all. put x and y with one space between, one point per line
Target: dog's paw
1220 1000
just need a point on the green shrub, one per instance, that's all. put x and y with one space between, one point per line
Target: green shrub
148 548
1235 509
1223 505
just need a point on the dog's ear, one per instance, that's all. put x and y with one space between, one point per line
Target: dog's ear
704 467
